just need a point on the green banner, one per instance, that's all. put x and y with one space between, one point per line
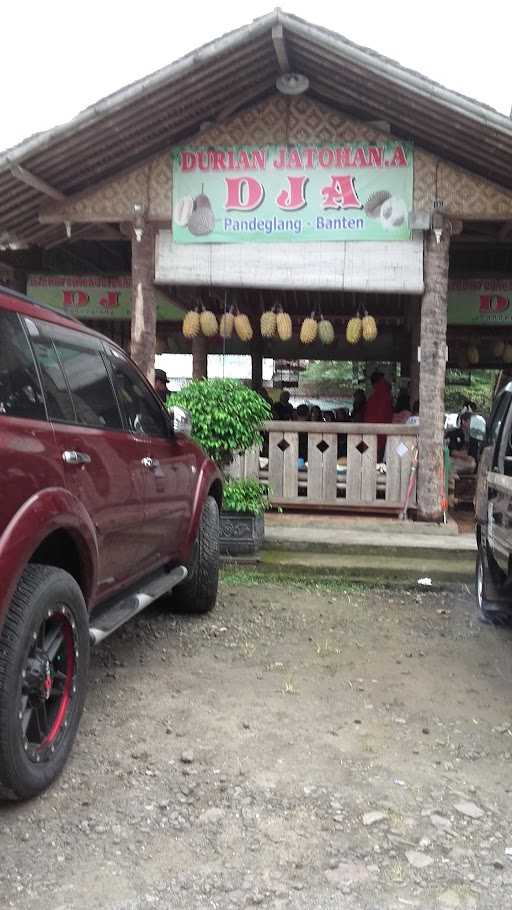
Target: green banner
283 193
95 297
480 301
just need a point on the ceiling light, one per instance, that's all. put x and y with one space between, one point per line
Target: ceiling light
292 84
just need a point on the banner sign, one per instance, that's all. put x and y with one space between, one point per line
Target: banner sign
95 296
281 193
480 301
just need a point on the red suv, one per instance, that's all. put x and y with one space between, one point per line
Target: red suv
105 505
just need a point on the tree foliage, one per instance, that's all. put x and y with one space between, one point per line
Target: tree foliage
226 416
479 389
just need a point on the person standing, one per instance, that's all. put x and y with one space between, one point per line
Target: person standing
160 384
379 407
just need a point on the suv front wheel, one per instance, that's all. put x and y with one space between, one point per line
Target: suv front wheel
198 593
44 661
491 612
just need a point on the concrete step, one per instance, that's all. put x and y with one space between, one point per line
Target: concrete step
365 543
371 567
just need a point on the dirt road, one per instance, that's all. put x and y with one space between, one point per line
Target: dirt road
295 749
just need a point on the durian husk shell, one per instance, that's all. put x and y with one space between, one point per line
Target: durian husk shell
268 324
243 327
507 354
191 324
369 328
326 331
472 355
354 330
308 330
226 324
284 326
209 325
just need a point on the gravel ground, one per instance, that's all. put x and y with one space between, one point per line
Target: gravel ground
295 749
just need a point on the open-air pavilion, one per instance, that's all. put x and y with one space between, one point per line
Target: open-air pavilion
336 180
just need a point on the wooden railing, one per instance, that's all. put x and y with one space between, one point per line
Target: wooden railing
339 469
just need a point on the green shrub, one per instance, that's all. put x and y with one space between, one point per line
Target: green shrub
247 496
226 416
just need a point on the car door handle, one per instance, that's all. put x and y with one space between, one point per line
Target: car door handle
150 463
72 457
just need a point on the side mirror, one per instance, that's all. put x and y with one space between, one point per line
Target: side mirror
181 421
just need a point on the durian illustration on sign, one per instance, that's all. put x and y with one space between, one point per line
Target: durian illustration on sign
393 213
202 220
183 210
375 202
390 210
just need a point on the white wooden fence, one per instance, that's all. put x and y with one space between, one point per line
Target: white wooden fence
326 479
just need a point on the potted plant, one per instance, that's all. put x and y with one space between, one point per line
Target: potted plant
227 418
242 526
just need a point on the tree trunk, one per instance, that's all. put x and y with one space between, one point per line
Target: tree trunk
432 377
256 364
199 357
143 328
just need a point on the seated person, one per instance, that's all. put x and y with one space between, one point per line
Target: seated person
303 414
462 461
342 416
414 419
283 410
402 408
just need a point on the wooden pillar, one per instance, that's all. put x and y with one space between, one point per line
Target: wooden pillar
143 327
432 375
414 367
199 357
256 364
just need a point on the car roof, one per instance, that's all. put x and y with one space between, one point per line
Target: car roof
20 303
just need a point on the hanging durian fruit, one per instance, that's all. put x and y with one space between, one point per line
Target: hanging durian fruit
369 327
309 330
325 331
191 324
507 354
354 329
268 324
472 355
227 321
209 325
498 349
243 327
284 325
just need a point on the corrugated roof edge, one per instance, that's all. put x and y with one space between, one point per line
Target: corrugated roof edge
393 70
89 115
389 62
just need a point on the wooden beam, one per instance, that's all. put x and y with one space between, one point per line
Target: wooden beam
35 182
279 43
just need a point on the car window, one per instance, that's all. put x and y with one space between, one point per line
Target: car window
79 358
20 389
502 458
59 403
144 415
498 413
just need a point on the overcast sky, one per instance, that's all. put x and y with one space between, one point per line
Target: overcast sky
57 56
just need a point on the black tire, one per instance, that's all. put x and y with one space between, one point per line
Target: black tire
198 593
44 663
489 612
